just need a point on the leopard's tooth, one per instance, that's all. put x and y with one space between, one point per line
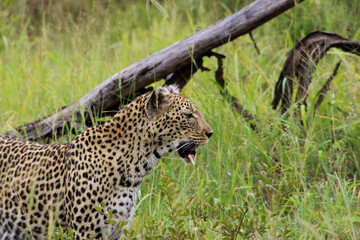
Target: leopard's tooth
190 157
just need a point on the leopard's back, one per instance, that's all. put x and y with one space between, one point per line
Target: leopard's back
31 185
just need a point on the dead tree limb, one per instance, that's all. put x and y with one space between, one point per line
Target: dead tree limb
301 62
174 59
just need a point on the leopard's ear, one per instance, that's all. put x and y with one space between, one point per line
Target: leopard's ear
174 88
158 102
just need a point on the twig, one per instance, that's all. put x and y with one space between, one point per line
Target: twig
254 42
325 88
219 76
241 222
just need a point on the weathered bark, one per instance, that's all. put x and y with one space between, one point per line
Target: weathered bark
176 58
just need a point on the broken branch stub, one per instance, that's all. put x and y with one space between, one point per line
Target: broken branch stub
181 77
219 76
301 62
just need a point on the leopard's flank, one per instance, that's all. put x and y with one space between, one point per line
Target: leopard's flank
60 185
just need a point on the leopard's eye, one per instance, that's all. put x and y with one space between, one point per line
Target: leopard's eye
188 115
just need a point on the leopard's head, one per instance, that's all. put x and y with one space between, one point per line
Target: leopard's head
177 123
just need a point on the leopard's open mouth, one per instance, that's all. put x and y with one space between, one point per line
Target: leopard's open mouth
187 151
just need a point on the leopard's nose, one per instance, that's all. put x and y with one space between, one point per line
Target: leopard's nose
209 134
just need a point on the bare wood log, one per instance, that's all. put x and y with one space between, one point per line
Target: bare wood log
158 66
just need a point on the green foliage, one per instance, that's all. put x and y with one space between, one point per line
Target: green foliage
127 234
176 213
190 218
275 184
61 235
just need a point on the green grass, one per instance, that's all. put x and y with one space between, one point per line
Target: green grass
282 185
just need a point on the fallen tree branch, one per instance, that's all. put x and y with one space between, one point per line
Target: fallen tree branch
155 67
301 62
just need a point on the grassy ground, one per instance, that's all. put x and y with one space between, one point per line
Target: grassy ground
271 184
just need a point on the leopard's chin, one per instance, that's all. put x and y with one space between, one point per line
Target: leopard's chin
187 151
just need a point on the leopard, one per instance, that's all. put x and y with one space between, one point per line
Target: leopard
47 186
